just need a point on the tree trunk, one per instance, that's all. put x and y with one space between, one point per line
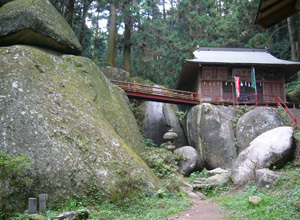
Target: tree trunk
292 41
62 8
164 10
86 5
127 46
112 36
296 34
70 12
96 37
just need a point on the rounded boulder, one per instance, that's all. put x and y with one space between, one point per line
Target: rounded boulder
191 162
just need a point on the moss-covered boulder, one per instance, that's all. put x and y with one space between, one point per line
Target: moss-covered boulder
36 22
75 126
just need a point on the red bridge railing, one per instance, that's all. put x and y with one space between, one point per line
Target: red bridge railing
287 111
156 92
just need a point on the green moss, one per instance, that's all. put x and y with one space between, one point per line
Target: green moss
68 118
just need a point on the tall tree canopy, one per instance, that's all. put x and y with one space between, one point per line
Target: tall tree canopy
152 37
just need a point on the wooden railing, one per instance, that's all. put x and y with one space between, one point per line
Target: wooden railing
253 99
287 111
155 90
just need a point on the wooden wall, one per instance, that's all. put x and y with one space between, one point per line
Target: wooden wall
218 81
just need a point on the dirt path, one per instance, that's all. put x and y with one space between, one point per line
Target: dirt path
202 210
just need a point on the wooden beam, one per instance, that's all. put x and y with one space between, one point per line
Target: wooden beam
272 16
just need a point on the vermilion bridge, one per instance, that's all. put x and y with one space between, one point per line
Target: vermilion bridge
154 93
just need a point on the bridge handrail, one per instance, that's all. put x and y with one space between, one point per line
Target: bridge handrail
291 116
158 89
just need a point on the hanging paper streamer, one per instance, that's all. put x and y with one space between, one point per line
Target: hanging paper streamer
237 86
253 79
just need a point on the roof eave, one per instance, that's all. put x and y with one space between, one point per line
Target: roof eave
242 63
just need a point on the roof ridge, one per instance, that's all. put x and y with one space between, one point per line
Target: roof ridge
231 49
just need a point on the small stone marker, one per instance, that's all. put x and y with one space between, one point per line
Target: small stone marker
42 202
32 206
255 199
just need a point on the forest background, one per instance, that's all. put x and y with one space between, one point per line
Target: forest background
151 38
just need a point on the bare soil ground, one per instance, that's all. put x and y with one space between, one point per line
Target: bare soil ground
202 210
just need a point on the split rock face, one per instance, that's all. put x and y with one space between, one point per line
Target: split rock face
38 23
157 119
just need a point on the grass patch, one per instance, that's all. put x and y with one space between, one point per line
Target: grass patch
280 201
145 206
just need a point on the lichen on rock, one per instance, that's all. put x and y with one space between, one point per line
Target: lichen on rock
61 112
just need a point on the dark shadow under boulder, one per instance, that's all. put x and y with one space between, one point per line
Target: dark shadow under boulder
37 23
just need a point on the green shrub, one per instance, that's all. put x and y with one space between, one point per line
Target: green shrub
180 115
149 143
286 120
127 180
293 86
12 178
164 165
161 161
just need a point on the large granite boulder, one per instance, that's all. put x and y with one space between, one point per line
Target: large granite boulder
254 123
157 118
271 149
192 162
210 131
62 113
36 22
